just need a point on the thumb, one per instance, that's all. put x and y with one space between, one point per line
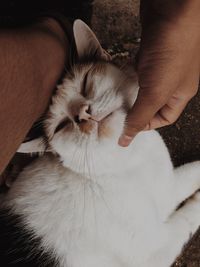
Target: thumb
143 110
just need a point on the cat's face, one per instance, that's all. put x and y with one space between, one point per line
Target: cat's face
90 105
88 112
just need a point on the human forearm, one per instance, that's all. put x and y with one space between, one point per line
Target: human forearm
31 60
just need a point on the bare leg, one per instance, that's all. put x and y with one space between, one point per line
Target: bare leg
31 61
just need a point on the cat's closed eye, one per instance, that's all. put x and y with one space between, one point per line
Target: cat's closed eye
64 123
84 85
87 86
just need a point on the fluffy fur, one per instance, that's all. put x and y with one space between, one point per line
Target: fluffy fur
92 203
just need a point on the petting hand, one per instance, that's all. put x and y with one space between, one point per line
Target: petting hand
168 64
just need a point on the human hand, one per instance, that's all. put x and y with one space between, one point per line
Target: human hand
168 64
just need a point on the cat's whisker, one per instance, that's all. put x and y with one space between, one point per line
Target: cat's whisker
79 163
91 118
86 154
84 191
101 193
73 156
86 168
92 181
39 123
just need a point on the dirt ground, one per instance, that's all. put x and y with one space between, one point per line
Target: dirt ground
116 24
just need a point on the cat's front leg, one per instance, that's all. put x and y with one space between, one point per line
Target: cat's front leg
180 227
186 182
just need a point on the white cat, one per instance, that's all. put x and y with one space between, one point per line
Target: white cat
93 203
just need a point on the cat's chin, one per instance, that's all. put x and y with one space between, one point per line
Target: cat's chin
99 135
93 161
91 156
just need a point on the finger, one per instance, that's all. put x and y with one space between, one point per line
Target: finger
144 109
168 114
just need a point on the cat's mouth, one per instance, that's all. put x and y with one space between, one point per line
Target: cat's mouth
85 114
98 125
101 119
104 128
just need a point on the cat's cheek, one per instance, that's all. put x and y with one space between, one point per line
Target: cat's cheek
61 141
104 131
112 126
88 127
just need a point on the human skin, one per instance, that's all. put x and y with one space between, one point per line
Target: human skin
168 64
31 61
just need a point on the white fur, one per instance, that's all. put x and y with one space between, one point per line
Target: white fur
100 205
123 217
34 146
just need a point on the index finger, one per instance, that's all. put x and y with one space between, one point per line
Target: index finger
144 109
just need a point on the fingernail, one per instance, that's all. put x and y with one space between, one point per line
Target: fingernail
125 140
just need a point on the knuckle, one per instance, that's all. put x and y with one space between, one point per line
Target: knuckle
191 93
188 97
173 120
170 119
174 117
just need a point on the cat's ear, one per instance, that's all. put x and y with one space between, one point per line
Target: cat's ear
33 146
87 44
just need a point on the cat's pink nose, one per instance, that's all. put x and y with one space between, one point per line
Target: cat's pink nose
84 114
84 121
